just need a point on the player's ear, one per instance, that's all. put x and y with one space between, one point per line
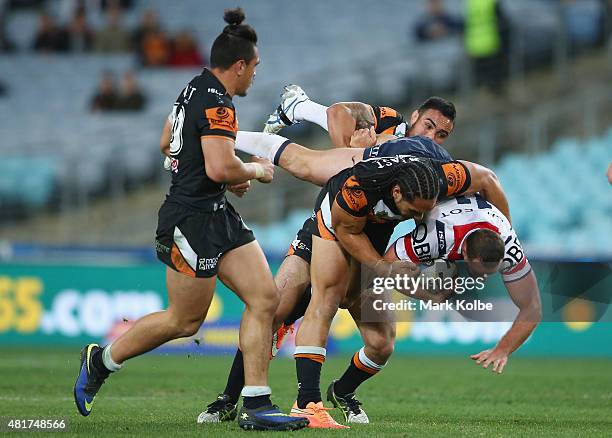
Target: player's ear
240 67
414 117
397 193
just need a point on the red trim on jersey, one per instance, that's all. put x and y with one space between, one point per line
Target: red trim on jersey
409 251
460 232
520 265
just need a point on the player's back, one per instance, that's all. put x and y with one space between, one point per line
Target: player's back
417 146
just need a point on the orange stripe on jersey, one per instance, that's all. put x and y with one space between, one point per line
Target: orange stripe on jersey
323 231
291 250
390 130
223 118
362 366
456 176
354 198
225 137
316 357
180 263
385 111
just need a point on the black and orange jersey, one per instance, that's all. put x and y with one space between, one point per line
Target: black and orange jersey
388 121
203 109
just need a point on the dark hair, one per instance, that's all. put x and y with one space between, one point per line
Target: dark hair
446 107
416 179
236 42
485 245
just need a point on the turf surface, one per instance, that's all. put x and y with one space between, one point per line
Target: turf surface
432 396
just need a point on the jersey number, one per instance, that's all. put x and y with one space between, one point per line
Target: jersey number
176 136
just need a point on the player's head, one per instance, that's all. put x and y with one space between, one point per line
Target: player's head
414 186
435 119
483 252
235 50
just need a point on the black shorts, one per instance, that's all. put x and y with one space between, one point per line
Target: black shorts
192 242
302 244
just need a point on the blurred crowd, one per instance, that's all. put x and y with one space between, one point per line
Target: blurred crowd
148 40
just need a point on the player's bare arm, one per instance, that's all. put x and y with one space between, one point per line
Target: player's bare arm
526 295
349 231
222 164
164 140
344 117
485 182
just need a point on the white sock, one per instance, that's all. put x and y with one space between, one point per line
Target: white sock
369 362
311 112
255 391
108 362
261 144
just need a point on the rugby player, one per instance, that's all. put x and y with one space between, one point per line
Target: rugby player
434 118
201 237
356 213
462 228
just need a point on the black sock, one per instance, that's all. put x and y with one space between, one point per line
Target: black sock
309 376
98 363
235 380
256 402
353 377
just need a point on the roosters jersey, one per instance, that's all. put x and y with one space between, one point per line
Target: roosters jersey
442 232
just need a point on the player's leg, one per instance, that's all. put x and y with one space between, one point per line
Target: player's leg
379 338
246 271
329 276
315 166
292 280
188 301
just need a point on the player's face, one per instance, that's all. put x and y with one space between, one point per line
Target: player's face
248 75
431 124
414 209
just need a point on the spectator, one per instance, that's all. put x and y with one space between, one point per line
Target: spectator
131 97
106 97
80 35
155 49
49 37
185 52
437 23
486 41
148 23
123 4
114 37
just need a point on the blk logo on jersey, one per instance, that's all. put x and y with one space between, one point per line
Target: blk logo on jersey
174 165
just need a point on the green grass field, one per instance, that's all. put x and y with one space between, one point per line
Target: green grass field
432 396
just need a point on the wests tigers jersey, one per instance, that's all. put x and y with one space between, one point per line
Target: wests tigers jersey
203 109
444 229
388 121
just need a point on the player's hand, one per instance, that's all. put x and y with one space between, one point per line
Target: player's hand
239 189
363 138
495 356
268 168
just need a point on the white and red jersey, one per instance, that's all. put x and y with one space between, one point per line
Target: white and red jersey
443 230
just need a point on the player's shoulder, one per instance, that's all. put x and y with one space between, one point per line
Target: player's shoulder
211 91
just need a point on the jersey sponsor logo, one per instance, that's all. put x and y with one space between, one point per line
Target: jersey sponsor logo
355 198
215 91
441 237
385 111
420 247
456 177
222 118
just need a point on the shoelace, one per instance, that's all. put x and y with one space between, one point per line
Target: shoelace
352 403
216 406
324 415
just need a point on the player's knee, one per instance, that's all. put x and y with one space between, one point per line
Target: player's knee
184 326
265 301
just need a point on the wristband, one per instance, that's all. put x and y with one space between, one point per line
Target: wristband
259 170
